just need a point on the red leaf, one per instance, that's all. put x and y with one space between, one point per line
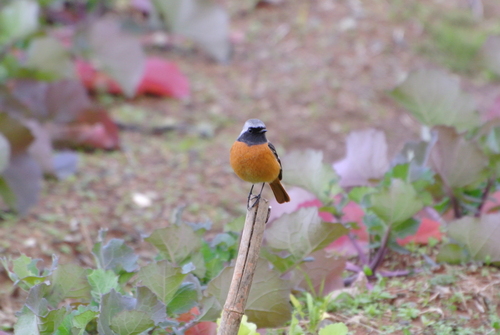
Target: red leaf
96 81
92 129
161 77
494 111
202 328
492 205
428 228
352 213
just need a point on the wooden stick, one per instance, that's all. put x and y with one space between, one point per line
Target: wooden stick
244 269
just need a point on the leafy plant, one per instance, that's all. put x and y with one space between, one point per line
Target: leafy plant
47 67
184 287
453 168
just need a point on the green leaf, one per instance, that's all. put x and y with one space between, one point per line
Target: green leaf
479 235
25 266
452 253
18 19
183 300
358 194
405 228
236 225
458 161
27 322
302 232
282 264
49 323
112 303
6 193
162 278
148 303
334 329
435 98
306 169
116 256
82 317
131 322
4 152
205 22
268 303
247 328
397 203
18 135
416 154
69 281
119 54
47 54
102 282
175 243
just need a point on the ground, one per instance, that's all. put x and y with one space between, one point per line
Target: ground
312 71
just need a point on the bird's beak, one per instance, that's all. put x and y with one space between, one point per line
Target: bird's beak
263 130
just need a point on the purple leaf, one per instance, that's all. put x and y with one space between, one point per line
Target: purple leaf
458 161
60 101
24 177
366 158
117 53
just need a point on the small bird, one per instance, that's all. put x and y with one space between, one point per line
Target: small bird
255 160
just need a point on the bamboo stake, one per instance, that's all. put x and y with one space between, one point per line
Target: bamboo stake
244 269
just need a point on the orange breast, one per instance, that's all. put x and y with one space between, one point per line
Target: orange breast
255 164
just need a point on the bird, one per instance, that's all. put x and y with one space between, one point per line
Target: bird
254 159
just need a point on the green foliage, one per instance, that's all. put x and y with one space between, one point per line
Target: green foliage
314 311
435 98
118 296
306 169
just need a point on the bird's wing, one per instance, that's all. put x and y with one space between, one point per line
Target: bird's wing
273 149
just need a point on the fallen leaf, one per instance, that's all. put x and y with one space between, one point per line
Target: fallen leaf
163 78
92 129
160 77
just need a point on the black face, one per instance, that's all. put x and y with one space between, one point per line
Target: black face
257 130
253 136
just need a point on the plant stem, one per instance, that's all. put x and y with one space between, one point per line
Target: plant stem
379 256
362 256
484 197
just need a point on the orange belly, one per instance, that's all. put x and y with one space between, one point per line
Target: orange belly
255 164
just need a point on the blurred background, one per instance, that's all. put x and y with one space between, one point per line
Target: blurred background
119 114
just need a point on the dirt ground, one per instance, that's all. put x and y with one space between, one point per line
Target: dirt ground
311 70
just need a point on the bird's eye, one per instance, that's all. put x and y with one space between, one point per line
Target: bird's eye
250 130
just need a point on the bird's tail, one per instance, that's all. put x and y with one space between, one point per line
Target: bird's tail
279 191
